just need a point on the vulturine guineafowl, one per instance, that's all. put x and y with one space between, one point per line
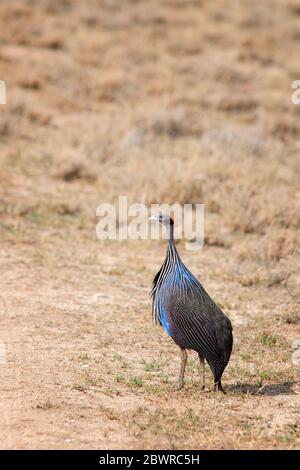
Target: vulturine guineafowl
188 314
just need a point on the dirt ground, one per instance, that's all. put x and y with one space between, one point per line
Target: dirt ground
163 101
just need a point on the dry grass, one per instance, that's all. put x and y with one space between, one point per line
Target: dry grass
185 102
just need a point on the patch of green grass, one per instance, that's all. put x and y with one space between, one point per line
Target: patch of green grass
155 389
175 421
120 378
166 379
151 365
124 364
191 416
293 318
246 357
37 217
51 216
79 387
117 357
13 228
266 375
89 379
290 434
84 357
245 426
137 381
268 340
242 373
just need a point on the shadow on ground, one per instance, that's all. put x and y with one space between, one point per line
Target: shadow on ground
270 389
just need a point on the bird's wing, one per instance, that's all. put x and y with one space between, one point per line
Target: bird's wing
197 330
154 284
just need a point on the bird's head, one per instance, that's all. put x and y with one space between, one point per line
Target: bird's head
163 219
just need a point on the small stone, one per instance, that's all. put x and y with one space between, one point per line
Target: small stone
296 357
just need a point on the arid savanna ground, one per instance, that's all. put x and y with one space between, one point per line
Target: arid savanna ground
162 101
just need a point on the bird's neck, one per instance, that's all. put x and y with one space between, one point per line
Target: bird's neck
172 255
170 233
172 252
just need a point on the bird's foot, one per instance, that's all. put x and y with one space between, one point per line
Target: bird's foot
218 388
179 386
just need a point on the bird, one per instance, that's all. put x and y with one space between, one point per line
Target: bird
181 305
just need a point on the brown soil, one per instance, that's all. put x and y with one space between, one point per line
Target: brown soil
185 101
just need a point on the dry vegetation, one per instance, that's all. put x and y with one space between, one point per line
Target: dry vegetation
186 101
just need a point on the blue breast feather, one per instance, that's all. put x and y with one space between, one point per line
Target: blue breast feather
163 319
182 276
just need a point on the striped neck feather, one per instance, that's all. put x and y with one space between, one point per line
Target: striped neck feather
174 272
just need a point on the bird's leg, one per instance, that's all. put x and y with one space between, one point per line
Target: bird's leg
202 372
218 386
183 355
